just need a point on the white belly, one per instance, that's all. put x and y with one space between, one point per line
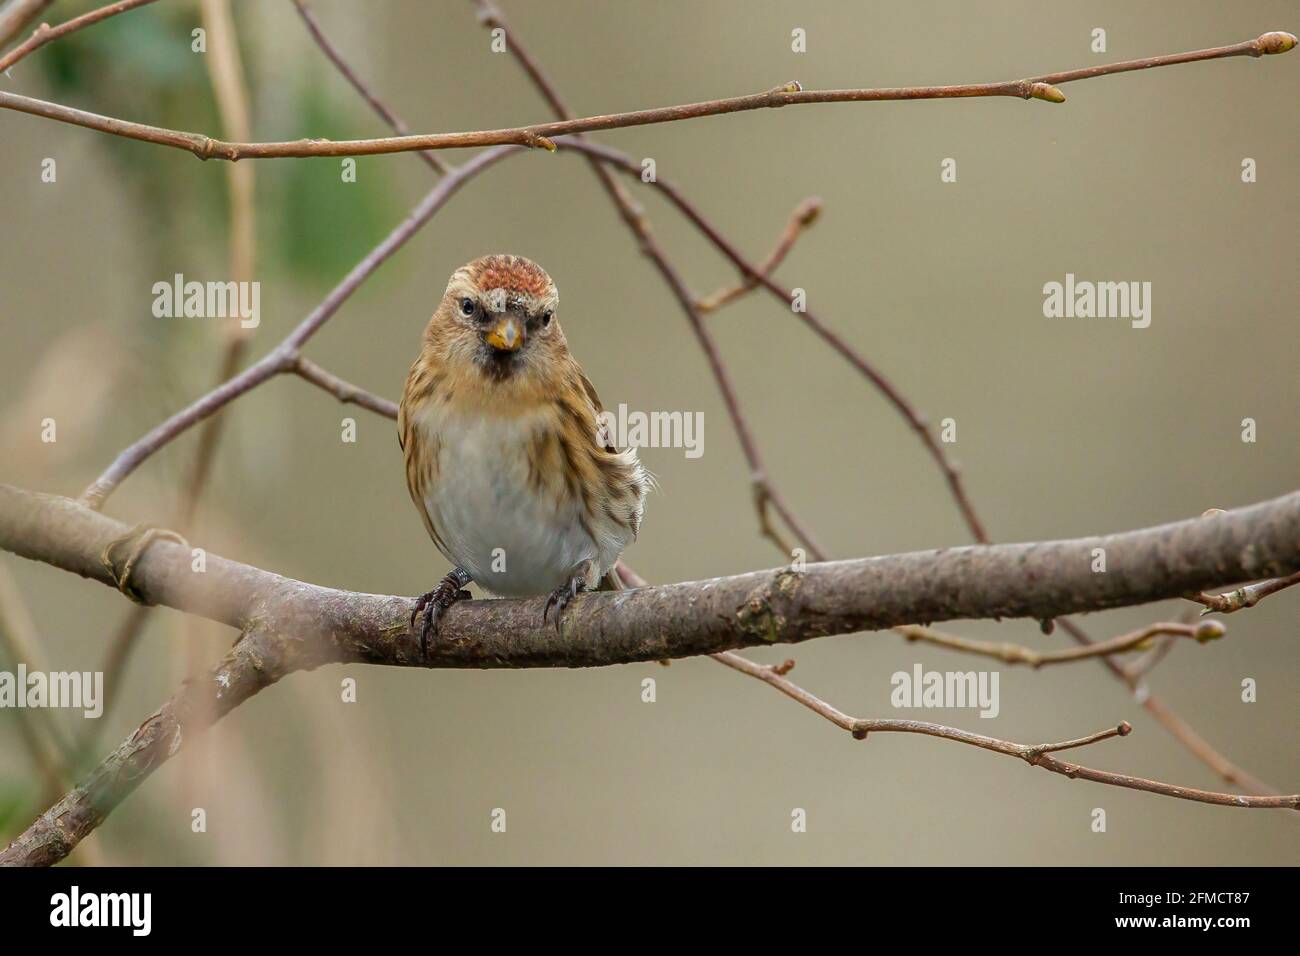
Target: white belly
513 540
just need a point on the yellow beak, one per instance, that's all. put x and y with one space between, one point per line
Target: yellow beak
507 335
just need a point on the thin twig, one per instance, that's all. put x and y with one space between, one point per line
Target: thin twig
227 75
16 15
284 356
1244 597
1036 755
804 215
1178 728
765 492
1172 723
20 644
753 272
541 134
1080 74
45 33
342 390
431 159
1017 654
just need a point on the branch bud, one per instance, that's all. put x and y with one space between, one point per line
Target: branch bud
1276 42
1209 631
1045 91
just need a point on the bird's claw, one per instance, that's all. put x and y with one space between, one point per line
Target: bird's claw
560 598
431 605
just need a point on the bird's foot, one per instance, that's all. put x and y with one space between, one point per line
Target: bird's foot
430 606
561 596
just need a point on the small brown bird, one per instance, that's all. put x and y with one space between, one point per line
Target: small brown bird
505 457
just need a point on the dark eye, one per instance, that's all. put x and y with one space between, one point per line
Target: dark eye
467 307
546 318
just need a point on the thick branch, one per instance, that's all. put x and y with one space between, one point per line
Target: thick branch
257 661
1036 580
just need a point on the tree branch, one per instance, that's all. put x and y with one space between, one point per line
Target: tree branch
764 498
16 14
277 619
1033 580
540 134
45 33
344 391
1244 597
804 215
284 357
1175 725
289 625
1017 654
1036 755
431 159
257 661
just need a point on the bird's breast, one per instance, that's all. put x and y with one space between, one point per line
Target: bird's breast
502 504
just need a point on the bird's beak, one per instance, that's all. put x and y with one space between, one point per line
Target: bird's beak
507 335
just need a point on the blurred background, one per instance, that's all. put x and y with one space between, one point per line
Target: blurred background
1064 427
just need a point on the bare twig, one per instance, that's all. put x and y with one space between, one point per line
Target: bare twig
1017 654
1174 724
1244 597
45 33
1181 731
804 215
19 644
755 273
253 663
431 159
1036 755
230 90
15 15
540 135
283 357
342 390
291 360
766 494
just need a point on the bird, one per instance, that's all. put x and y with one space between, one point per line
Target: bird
507 461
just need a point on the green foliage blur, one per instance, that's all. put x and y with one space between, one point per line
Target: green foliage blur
141 67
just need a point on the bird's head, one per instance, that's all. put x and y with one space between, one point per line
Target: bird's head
498 315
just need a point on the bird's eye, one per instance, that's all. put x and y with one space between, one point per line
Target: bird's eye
546 318
467 306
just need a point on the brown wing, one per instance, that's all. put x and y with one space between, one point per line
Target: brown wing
595 401
419 449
